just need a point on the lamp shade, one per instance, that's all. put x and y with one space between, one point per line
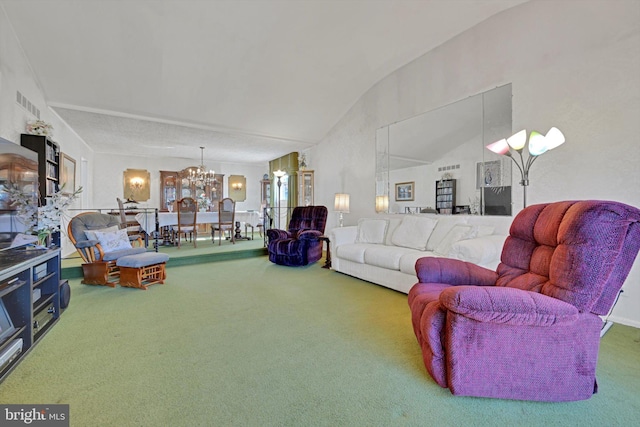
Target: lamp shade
382 203
537 144
518 140
279 173
499 147
341 203
554 138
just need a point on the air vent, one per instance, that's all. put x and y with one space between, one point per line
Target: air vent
27 105
448 168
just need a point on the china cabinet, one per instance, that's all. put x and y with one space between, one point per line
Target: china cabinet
265 191
305 188
174 186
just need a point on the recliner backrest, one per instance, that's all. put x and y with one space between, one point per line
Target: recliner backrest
578 251
90 221
308 218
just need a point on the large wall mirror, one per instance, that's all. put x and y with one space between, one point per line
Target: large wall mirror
440 155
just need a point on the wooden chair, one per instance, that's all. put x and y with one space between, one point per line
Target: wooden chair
226 220
187 212
99 267
132 226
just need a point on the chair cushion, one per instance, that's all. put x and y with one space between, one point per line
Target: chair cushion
112 256
91 234
113 240
142 259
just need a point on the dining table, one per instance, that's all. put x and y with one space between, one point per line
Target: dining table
157 221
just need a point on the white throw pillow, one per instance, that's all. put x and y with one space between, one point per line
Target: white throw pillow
114 240
91 234
457 233
481 231
445 223
371 230
413 232
391 228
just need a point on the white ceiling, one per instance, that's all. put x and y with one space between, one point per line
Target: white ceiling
248 80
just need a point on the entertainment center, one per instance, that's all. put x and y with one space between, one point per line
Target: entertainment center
31 299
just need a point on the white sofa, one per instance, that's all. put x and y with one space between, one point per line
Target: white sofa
384 249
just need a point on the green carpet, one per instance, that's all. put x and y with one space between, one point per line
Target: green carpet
249 343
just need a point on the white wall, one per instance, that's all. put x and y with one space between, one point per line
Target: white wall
574 65
16 75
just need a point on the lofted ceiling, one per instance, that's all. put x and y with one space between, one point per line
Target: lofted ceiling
248 80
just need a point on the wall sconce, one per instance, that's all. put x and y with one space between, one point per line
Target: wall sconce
538 145
341 205
382 203
136 184
237 188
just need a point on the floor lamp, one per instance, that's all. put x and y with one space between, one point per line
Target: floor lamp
538 145
279 174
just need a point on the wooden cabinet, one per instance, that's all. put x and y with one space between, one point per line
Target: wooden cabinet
174 186
445 196
30 295
305 188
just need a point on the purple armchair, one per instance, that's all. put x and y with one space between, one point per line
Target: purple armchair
531 330
300 244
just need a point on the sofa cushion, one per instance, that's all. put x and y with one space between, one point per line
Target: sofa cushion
386 256
458 232
445 223
413 232
481 250
392 224
352 252
408 261
371 230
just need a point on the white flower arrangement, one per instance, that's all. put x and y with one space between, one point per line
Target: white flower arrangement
203 202
42 220
39 127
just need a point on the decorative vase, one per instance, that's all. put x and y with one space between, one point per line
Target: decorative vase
44 239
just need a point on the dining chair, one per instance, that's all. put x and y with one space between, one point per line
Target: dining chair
226 220
187 211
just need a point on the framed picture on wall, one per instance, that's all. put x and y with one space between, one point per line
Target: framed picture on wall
404 191
67 174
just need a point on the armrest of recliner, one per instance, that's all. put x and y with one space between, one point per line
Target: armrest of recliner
277 234
308 235
497 304
453 272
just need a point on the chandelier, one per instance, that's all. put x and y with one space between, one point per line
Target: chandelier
200 176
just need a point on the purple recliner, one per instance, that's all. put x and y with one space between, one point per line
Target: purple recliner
531 330
299 245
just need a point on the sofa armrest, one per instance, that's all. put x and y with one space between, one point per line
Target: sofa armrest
343 235
507 306
453 272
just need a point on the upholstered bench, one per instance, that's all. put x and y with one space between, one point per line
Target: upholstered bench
142 270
